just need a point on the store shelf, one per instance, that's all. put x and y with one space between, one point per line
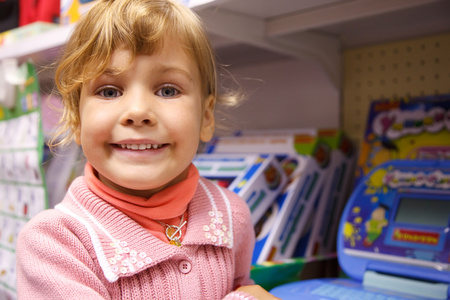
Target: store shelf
318 30
42 48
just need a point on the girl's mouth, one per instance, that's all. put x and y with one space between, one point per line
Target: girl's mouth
140 146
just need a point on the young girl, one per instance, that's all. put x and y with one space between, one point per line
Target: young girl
138 85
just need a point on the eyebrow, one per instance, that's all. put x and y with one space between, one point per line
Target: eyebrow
112 71
162 68
159 68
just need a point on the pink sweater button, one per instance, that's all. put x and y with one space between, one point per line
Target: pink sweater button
185 266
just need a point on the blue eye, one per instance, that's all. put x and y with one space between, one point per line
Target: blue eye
110 93
167 91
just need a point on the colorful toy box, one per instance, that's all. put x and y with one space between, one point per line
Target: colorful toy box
393 240
334 193
416 128
279 142
258 179
284 223
72 10
14 35
305 158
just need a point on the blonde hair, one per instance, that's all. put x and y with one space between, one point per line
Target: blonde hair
140 26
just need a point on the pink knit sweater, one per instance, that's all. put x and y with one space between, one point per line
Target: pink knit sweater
87 249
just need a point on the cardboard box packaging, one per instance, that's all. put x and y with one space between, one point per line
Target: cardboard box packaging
72 10
287 219
258 179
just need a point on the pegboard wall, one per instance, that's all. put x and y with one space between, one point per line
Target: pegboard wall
408 68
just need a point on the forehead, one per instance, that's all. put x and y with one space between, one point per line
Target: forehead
169 55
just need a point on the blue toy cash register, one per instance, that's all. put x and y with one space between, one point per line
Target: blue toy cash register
393 238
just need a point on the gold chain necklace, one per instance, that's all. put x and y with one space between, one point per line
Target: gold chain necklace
173 232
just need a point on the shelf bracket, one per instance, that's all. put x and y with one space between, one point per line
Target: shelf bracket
320 49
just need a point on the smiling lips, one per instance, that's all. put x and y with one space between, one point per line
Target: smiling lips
140 146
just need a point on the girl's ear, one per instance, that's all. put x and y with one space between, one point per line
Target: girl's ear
208 121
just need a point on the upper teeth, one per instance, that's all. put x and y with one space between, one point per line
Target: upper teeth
139 146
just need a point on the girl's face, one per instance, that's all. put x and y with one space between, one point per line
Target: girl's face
140 129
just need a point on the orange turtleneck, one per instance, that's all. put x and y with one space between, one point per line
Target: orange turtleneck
166 206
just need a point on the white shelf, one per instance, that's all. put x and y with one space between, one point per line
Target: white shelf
317 30
42 48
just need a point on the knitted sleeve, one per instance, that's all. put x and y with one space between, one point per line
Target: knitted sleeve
53 263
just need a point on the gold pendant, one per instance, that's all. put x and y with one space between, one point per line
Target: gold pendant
175 242
171 233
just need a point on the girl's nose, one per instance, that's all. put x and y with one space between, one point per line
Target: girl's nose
138 112
137 121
